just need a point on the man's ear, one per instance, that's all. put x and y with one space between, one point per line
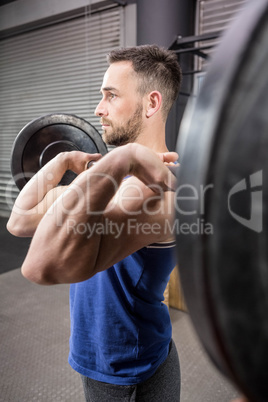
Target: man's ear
154 103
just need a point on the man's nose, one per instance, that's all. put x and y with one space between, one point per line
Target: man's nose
101 110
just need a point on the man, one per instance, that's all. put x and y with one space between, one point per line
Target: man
109 234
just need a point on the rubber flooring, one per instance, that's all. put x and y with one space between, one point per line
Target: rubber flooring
34 333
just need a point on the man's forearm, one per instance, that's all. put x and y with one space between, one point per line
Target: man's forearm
42 190
44 180
28 209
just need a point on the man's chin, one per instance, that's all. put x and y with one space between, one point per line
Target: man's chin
115 140
108 143
105 137
108 139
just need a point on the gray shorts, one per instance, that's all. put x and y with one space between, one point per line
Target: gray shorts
164 385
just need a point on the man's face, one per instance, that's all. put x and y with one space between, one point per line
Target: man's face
121 107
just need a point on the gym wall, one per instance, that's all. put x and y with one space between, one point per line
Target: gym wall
55 66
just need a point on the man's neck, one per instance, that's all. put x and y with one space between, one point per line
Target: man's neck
153 138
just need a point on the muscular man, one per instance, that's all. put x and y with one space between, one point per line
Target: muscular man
109 234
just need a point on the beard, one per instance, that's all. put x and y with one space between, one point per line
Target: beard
124 134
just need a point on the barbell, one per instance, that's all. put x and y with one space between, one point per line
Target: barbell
222 223
44 137
221 200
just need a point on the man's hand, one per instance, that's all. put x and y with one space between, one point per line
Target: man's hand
148 167
169 157
78 161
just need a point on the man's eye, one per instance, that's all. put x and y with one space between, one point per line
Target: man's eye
112 96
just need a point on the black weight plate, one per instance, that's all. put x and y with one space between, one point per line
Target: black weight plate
45 137
222 224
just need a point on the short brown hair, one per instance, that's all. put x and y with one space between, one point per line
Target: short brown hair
157 68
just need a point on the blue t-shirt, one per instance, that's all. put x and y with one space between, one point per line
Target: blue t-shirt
120 327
